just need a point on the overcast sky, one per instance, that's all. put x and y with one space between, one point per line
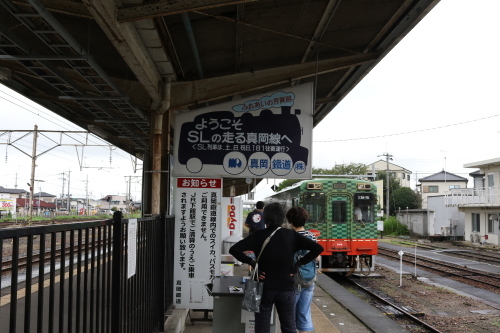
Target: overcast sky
431 103
99 170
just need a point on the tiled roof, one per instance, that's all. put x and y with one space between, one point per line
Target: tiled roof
11 190
43 194
476 173
443 176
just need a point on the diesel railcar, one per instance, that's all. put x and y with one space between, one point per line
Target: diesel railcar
343 216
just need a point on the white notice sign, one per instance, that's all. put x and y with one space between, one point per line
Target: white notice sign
132 247
197 242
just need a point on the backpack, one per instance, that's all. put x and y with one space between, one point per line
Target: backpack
306 274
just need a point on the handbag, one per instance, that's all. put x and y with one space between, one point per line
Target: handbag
252 294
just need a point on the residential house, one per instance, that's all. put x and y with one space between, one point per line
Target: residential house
8 197
480 204
47 197
438 184
13 193
39 206
395 171
118 201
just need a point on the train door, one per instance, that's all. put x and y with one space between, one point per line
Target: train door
340 218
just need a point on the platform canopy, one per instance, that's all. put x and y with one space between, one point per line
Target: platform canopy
108 65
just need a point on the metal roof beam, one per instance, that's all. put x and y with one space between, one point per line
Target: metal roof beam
96 98
114 121
193 92
130 46
385 40
62 6
170 7
42 57
330 10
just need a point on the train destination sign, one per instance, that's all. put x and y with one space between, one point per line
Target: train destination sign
265 136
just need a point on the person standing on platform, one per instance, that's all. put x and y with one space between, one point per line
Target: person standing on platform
255 219
276 267
298 216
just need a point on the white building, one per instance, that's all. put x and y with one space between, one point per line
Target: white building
480 204
118 201
437 220
395 171
439 183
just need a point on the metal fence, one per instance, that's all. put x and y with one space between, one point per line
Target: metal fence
87 276
473 197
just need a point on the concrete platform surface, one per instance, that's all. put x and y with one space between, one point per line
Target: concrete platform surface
329 316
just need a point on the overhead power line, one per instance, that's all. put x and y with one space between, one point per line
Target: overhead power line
410 132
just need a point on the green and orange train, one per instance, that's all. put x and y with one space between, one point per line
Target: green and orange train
342 215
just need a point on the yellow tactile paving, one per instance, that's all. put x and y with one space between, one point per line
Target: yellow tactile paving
321 323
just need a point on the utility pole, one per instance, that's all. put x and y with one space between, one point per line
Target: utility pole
129 190
33 166
39 199
86 195
62 191
387 158
128 195
69 178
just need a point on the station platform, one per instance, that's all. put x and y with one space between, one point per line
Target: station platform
329 315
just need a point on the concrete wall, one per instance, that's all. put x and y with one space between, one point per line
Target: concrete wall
444 216
416 221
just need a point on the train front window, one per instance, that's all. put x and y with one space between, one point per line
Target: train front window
364 207
364 213
314 204
339 211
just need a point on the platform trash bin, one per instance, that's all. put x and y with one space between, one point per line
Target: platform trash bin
228 242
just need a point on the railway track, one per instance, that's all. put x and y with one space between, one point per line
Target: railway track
467 275
24 223
407 312
22 262
475 256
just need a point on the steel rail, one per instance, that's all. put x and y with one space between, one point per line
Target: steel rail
408 315
456 267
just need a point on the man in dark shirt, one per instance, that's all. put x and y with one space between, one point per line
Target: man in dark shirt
277 267
255 220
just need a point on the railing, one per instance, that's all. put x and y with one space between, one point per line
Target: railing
484 196
73 277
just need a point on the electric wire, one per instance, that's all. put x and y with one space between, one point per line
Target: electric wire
38 111
410 132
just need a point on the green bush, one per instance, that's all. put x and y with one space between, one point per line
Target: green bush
392 227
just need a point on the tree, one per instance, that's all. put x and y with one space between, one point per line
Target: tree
402 198
393 186
286 183
343 169
338 169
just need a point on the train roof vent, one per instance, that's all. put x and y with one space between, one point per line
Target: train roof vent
314 186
